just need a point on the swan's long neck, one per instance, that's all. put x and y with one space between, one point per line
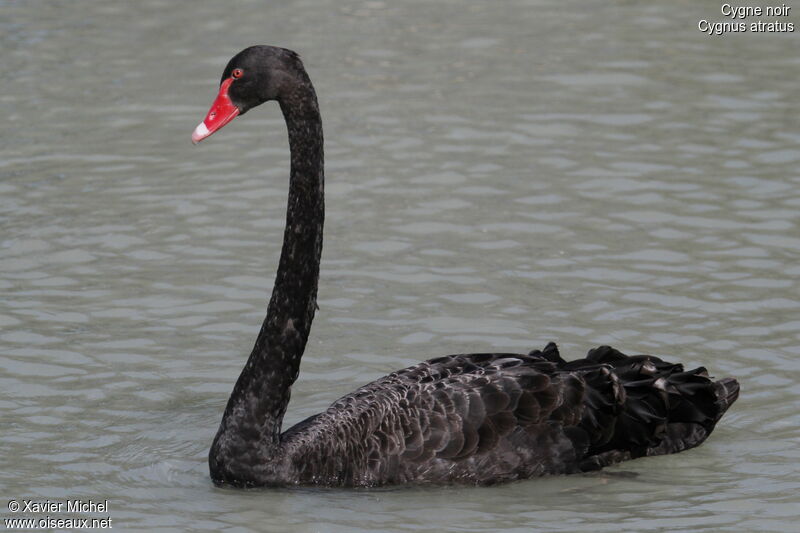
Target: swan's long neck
251 426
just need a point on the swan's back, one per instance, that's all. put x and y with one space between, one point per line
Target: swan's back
486 418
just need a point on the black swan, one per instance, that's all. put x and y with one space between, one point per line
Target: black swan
469 418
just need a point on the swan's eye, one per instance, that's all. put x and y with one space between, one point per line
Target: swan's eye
237 73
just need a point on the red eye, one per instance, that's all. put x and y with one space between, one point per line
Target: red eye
237 73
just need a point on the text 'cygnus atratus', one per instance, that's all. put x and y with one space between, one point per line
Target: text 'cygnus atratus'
469 418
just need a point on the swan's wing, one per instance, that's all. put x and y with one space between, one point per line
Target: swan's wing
467 405
484 417
489 417
443 419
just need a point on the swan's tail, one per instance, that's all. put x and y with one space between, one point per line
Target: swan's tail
659 407
666 409
727 391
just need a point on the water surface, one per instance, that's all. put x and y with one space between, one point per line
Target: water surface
497 178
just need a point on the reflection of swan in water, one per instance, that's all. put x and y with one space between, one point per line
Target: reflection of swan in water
473 418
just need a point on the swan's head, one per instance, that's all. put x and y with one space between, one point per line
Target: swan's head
253 76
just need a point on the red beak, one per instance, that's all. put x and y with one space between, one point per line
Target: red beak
222 111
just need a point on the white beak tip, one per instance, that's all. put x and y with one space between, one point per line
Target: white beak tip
200 133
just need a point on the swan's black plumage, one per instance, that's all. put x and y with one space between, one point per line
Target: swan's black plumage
470 418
